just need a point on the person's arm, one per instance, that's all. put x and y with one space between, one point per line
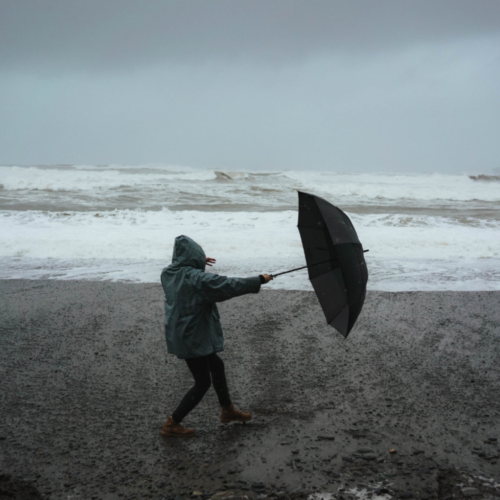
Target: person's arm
216 288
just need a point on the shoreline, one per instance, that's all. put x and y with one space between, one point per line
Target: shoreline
88 382
410 275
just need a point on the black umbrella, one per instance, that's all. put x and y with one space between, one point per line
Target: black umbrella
335 261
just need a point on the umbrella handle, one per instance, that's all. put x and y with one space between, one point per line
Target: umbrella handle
303 267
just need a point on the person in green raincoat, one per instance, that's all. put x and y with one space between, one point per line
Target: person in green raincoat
193 330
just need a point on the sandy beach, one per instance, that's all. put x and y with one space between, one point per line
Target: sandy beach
87 383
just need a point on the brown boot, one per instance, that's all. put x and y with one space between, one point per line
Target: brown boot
231 414
172 428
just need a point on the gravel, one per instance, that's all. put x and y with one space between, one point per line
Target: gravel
87 383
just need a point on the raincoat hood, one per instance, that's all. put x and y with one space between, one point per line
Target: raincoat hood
188 253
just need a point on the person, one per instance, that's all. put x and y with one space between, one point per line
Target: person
193 331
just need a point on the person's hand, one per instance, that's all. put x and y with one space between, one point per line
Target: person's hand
210 261
267 277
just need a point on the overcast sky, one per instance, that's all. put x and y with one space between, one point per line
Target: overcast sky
353 85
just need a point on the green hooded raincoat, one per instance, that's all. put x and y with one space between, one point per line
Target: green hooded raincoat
192 326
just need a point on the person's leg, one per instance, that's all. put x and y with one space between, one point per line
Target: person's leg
229 412
218 372
200 370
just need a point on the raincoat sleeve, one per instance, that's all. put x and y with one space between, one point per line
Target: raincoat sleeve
215 288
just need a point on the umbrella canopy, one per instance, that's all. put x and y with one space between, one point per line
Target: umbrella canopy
335 260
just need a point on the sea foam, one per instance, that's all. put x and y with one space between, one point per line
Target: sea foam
243 242
119 222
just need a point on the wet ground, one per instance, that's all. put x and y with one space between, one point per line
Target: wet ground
86 383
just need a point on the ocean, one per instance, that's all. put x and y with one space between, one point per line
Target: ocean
119 222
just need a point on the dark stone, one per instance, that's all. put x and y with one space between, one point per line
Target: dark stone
258 486
406 494
470 492
17 488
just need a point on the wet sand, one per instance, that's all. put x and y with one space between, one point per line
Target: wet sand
86 383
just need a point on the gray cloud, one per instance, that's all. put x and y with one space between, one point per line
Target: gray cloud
354 85
67 35
424 109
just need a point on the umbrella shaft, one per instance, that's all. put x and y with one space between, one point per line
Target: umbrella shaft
299 268
303 267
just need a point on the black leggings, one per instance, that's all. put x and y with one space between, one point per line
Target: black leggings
205 370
